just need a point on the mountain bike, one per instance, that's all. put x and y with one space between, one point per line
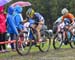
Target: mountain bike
26 40
60 40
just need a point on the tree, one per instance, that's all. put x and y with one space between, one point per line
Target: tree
50 9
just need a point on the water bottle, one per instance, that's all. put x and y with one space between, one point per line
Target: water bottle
68 35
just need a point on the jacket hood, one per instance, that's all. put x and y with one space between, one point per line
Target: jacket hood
10 10
1 9
18 9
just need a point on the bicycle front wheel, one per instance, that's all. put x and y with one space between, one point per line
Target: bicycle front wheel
22 46
57 40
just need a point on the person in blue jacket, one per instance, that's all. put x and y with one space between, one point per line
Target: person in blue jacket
18 17
11 27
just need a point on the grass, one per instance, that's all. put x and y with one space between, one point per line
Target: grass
34 54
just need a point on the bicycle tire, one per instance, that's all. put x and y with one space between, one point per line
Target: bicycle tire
43 47
27 47
54 41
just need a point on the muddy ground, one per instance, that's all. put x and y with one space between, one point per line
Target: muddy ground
61 54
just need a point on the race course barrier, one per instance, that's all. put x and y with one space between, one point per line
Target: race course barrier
6 42
14 41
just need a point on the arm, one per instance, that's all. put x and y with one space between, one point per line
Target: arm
63 18
24 21
72 18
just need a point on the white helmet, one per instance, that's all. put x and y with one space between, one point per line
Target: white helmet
64 11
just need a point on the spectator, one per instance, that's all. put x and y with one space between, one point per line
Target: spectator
2 29
18 18
11 27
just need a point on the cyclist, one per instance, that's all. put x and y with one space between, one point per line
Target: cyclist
56 24
69 20
68 15
36 21
59 20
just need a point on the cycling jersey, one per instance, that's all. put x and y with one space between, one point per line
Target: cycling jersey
38 17
69 16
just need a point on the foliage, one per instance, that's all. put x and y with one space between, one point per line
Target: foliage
50 9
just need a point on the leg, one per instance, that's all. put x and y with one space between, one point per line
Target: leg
0 41
12 38
70 29
4 39
38 28
0 47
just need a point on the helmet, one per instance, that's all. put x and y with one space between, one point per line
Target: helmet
30 12
1 9
64 11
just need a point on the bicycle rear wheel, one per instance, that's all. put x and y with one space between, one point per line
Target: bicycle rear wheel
45 44
22 46
72 43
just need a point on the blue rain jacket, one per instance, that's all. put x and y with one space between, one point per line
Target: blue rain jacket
18 17
11 27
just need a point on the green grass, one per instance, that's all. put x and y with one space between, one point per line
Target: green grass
33 50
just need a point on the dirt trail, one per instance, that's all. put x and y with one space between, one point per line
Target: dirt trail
61 54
